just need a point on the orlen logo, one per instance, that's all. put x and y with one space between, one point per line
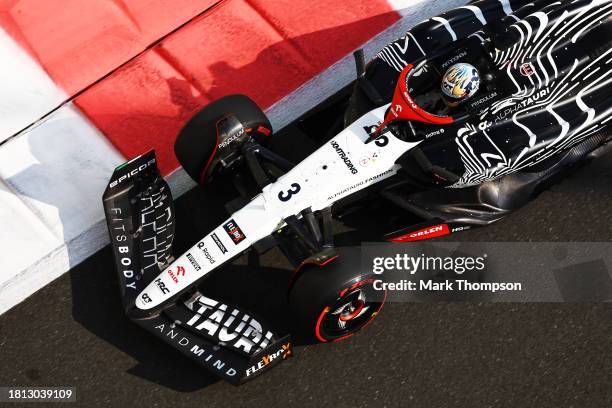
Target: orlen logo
179 272
426 233
284 352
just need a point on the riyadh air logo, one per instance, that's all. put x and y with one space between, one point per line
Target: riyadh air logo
234 231
175 275
527 70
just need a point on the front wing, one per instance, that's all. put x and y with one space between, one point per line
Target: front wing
226 340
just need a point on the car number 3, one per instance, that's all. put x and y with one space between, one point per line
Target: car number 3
285 196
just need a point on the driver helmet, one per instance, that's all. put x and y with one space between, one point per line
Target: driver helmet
460 83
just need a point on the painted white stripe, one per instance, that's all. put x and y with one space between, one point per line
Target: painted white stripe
398 55
586 109
27 92
393 58
477 12
546 38
477 35
543 17
447 26
506 5
592 73
417 43
579 74
597 20
562 122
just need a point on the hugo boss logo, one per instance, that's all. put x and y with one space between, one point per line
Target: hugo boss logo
218 242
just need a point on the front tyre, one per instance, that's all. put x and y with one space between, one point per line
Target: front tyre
198 142
331 302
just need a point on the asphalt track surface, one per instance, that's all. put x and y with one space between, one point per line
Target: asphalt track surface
73 333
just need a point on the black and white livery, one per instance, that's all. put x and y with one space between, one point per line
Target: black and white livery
404 165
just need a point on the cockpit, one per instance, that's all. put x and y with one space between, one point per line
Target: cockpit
423 100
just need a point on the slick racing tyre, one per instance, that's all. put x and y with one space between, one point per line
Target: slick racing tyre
198 142
333 301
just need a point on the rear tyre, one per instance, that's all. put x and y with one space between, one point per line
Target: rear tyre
334 301
197 141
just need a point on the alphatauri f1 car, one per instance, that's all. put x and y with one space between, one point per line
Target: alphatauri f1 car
540 74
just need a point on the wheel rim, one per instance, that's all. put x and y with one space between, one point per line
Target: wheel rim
352 310
355 307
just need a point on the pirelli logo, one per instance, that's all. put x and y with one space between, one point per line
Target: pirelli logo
193 262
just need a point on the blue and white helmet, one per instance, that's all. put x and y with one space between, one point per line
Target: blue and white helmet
460 82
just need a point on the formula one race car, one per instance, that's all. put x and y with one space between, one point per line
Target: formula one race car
455 125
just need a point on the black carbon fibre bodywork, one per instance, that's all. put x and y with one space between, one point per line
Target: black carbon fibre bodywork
543 104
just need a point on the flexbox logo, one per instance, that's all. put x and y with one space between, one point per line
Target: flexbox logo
284 352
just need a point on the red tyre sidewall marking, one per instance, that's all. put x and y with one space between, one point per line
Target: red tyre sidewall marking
210 159
318 327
